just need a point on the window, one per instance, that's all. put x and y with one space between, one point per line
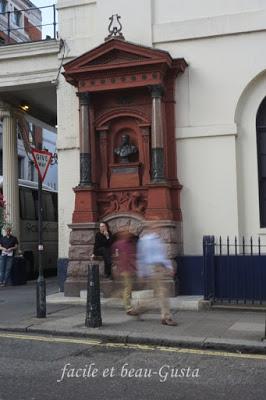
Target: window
261 152
49 213
31 170
20 167
16 17
3 6
27 204
31 132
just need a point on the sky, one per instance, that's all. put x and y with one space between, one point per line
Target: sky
47 15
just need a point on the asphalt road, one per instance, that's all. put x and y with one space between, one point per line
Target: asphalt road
43 367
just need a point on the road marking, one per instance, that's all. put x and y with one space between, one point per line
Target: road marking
50 339
94 342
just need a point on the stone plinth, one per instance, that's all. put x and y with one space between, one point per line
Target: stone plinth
80 251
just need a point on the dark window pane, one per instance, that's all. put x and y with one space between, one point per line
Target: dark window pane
262 163
48 207
27 204
261 154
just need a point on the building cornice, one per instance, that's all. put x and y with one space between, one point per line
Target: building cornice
45 47
72 4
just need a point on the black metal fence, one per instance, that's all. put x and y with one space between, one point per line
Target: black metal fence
28 25
234 271
239 247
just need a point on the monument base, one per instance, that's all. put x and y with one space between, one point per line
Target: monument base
82 239
113 288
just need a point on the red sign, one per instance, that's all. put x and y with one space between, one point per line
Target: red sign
42 160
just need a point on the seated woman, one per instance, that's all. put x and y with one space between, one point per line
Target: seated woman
102 247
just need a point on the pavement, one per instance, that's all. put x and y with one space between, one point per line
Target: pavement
224 329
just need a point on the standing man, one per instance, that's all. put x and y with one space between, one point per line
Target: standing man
8 245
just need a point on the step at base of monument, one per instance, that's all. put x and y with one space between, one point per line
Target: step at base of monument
112 288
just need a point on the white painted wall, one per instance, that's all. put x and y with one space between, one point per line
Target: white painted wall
180 10
219 70
77 24
136 19
68 160
207 171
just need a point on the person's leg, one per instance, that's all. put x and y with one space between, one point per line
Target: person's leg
9 263
128 283
145 295
2 268
160 287
105 253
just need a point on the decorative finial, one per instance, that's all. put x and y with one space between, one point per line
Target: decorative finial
115 28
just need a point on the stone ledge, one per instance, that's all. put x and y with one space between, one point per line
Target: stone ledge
188 303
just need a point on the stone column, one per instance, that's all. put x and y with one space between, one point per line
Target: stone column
10 168
85 140
145 132
104 159
157 156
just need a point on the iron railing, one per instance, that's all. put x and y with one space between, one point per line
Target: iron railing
27 25
239 247
234 272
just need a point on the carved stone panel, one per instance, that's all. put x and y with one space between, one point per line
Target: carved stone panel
118 201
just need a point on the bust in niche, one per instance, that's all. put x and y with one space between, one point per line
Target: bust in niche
126 149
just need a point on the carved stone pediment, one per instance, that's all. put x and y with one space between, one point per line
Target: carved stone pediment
116 56
118 64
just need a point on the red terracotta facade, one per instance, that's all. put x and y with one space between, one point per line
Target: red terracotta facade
118 76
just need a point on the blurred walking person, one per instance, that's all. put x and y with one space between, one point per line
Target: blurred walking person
153 264
124 249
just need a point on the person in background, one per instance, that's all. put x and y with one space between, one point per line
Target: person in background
102 247
124 249
8 245
152 263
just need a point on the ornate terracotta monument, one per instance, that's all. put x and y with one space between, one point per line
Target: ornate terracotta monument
127 147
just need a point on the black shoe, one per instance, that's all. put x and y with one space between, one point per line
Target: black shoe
169 322
132 312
